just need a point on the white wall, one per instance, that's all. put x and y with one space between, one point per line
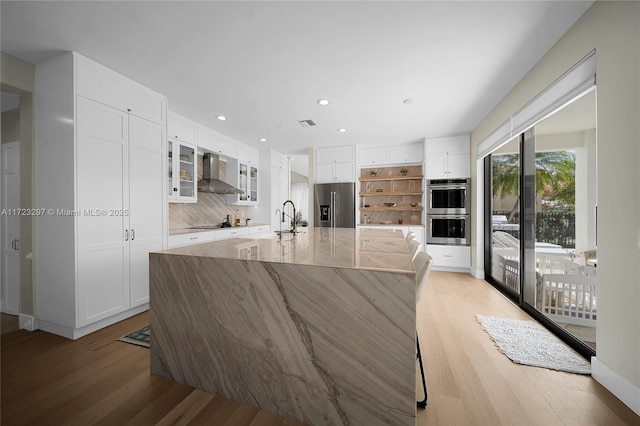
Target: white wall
613 29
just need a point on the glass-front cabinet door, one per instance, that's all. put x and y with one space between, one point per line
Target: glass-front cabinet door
253 184
243 183
182 172
245 179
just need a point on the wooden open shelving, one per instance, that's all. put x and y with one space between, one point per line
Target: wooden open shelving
389 185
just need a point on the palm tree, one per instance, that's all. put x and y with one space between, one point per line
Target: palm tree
555 176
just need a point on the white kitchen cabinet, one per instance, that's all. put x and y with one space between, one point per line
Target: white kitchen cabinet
102 182
245 177
260 230
375 155
248 154
448 157
101 84
410 153
212 141
279 194
336 164
273 187
342 154
190 238
147 203
182 172
451 258
233 232
387 155
335 172
181 128
447 166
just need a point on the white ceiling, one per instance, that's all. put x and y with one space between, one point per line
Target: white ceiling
264 64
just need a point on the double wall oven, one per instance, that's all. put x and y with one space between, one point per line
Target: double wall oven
449 211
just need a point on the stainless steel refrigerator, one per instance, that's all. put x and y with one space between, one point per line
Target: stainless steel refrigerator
335 205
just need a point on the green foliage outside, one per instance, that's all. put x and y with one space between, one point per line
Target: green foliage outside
555 185
555 177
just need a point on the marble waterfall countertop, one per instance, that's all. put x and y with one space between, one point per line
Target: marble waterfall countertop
319 327
342 247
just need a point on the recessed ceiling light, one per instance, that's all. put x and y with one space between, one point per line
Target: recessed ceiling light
408 101
322 102
221 117
341 130
262 139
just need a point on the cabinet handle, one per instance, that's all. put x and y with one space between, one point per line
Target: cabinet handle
126 235
447 255
193 238
133 234
129 109
175 189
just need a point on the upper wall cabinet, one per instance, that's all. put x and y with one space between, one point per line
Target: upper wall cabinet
210 140
388 155
448 157
181 128
336 164
248 154
103 85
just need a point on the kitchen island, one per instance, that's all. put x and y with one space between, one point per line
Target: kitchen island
318 326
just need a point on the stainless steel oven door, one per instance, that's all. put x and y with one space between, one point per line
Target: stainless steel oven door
449 229
448 198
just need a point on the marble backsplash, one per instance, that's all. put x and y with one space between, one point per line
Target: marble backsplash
210 208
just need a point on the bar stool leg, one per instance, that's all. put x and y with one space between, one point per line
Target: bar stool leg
421 404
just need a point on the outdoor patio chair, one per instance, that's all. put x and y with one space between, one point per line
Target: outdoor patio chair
570 299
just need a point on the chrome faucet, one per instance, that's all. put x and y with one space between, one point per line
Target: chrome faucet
293 219
278 214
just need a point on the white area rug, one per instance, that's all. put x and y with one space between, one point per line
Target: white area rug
529 343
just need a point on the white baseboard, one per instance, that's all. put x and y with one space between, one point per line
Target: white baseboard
477 273
27 322
619 386
76 333
451 269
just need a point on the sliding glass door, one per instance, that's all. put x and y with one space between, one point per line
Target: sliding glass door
542 232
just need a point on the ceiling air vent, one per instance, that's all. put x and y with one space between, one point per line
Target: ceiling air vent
307 123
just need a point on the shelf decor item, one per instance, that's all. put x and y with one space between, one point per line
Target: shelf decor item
373 173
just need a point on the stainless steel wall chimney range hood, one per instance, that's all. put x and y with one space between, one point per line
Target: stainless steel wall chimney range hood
210 181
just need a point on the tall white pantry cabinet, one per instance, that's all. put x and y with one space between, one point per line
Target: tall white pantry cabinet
100 180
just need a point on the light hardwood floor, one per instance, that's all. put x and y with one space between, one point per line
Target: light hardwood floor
49 380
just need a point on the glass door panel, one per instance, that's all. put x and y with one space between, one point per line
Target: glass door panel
505 219
566 189
541 244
